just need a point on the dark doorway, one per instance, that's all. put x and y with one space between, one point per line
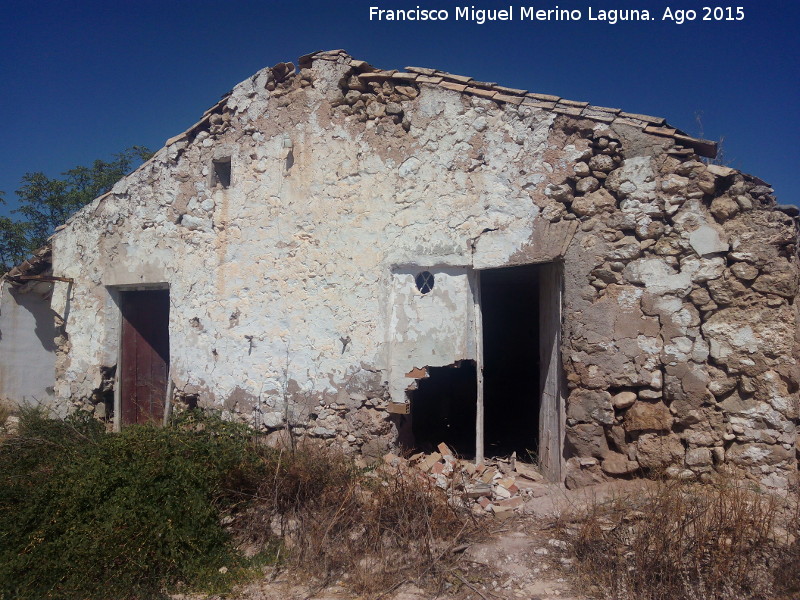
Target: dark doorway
511 372
145 355
443 409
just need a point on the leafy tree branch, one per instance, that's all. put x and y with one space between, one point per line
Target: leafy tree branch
45 202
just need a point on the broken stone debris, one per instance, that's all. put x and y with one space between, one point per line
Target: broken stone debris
498 486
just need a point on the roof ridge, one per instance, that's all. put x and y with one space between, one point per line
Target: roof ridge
492 91
503 94
464 84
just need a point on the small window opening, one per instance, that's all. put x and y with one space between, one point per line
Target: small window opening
222 172
424 282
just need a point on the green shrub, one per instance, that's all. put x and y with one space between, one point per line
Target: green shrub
90 515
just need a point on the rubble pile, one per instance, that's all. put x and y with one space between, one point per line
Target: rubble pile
498 486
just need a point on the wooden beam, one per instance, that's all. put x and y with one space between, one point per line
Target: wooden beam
479 418
39 278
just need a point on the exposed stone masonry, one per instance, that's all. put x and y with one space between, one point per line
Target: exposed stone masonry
685 361
679 330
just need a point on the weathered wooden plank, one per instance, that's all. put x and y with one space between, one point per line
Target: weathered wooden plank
551 410
479 411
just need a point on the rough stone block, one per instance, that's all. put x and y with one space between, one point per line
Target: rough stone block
623 400
586 439
655 451
648 416
698 457
706 240
617 464
590 406
594 203
578 476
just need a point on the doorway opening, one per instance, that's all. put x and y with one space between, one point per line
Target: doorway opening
511 367
443 408
144 355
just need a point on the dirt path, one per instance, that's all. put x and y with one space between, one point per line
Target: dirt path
523 556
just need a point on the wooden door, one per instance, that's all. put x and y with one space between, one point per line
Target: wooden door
145 355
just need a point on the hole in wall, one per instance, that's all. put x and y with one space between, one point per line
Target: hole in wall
104 395
222 172
443 408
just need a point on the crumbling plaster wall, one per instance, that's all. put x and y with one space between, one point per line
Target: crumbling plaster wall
27 350
433 329
267 277
679 322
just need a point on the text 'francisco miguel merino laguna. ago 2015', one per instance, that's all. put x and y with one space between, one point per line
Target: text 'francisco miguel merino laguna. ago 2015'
532 13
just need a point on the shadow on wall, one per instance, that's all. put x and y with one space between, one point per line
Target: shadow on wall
38 305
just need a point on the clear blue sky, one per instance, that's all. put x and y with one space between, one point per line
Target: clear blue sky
82 80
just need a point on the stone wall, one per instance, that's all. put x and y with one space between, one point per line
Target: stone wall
290 289
681 329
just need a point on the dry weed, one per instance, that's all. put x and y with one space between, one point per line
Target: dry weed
787 570
5 413
684 541
373 530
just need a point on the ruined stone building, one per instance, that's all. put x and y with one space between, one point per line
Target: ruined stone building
383 258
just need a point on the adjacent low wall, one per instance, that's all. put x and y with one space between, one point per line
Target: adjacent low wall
27 344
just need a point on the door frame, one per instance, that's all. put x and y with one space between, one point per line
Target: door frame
115 293
552 405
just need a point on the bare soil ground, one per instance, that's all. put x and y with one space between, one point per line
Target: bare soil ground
522 556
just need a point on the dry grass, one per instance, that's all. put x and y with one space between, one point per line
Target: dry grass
373 530
689 541
787 570
5 412
8 421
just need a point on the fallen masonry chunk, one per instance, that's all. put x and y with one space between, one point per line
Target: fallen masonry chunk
502 492
416 457
427 463
392 460
527 471
511 503
477 490
444 449
488 475
507 482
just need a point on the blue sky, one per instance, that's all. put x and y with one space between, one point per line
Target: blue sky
82 80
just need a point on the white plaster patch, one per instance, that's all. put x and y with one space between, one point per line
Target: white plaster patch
433 329
706 240
658 277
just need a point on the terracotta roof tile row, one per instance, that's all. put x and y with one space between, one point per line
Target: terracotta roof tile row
685 145
40 262
498 93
